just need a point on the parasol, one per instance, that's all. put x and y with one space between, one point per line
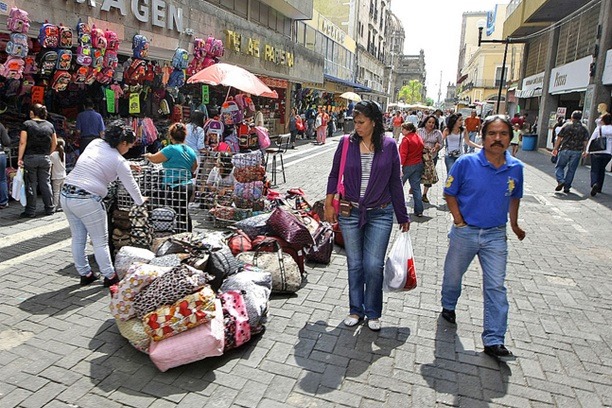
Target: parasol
351 96
233 76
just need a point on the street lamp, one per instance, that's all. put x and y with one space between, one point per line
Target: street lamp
507 41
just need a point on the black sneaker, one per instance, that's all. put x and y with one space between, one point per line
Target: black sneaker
26 215
448 315
112 281
92 277
559 187
498 351
595 190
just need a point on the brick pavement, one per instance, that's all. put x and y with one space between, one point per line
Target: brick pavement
60 347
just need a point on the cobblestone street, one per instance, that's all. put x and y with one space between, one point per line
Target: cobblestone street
60 347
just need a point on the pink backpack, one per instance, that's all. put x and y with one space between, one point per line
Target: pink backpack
13 68
98 38
112 40
208 44
235 318
199 48
110 59
18 21
84 55
262 137
217 50
30 65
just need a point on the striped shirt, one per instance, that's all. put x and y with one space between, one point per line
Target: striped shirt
366 169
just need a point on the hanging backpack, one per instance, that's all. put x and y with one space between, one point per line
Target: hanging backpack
83 56
64 59
30 65
249 106
98 38
105 76
112 40
263 137
26 84
83 33
65 36
177 78
198 48
230 113
60 82
217 50
136 72
48 36
140 46
17 46
180 60
48 60
110 59
194 66
97 59
18 21
91 76
214 126
239 99
80 75
208 44
13 68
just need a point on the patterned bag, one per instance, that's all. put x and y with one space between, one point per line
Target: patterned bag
290 228
322 250
179 282
163 219
133 331
255 285
141 231
128 255
286 276
235 319
186 313
254 226
171 260
221 264
239 242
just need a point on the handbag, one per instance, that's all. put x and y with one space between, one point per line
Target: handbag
235 319
340 186
239 242
599 143
290 228
267 244
221 264
323 247
163 219
286 276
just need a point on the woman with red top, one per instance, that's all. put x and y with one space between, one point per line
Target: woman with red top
411 158
397 125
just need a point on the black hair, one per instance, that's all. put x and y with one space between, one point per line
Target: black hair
40 111
88 103
372 111
178 132
452 119
490 119
577 115
607 119
197 118
59 148
118 132
409 126
426 119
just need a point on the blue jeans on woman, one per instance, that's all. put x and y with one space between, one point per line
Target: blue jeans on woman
492 249
569 159
449 161
4 198
413 174
366 249
87 215
599 161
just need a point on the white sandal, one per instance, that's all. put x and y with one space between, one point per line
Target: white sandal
351 321
374 325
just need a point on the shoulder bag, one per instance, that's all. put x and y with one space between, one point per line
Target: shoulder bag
598 144
340 187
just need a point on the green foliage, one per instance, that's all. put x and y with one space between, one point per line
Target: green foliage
411 93
429 102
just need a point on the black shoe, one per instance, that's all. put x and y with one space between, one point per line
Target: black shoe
92 277
112 281
559 187
50 212
425 199
449 315
26 215
498 351
566 190
595 190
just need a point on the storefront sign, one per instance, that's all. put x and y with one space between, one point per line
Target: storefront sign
252 46
157 12
531 86
274 82
606 78
572 77
331 30
205 94
561 111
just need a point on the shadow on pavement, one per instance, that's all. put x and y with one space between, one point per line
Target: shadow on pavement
329 355
470 377
65 300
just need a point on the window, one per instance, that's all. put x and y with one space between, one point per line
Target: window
498 76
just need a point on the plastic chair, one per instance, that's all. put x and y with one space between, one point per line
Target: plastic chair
281 146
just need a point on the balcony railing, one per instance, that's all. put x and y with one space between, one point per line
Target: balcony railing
483 84
513 5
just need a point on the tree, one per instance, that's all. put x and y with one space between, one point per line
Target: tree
411 93
429 102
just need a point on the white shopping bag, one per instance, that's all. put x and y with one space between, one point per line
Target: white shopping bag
399 272
18 192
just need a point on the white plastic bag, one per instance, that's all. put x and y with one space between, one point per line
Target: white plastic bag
399 272
18 192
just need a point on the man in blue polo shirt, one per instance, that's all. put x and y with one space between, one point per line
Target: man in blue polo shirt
89 125
480 191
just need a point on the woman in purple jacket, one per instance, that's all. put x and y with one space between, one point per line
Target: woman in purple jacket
373 194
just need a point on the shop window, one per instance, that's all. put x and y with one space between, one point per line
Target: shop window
301 33
311 38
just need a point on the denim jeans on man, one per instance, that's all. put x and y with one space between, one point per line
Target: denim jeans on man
413 174
569 159
87 215
37 174
366 249
492 249
3 184
467 148
599 161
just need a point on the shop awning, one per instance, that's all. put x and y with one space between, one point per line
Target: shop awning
528 93
352 84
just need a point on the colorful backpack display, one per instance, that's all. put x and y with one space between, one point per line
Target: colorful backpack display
231 113
91 76
65 36
110 59
214 126
112 40
136 72
83 33
199 48
97 58
48 60
60 82
31 67
180 60
208 44
140 46
17 46
217 50
98 38
64 59
48 36
83 56
18 21
177 78
13 68
80 75
27 83
105 76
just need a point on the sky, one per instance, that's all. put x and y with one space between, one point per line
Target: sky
435 27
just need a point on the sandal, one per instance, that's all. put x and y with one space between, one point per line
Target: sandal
374 324
351 320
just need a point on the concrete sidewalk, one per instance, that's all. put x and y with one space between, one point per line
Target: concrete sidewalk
59 346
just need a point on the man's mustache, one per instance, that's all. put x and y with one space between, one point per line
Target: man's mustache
497 143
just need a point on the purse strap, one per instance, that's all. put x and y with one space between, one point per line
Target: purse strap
345 146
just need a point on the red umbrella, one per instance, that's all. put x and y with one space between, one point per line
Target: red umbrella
233 76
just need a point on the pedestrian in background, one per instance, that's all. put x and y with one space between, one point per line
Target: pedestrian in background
82 195
292 126
517 136
321 125
481 189
37 141
411 158
432 140
5 141
569 147
58 171
454 136
397 125
373 194
195 131
472 126
89 125
600 159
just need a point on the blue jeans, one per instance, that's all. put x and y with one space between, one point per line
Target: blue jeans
472 136
449 161
87 215
569 159
492 249
413 174
366 249
37 174
3 185
599 162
